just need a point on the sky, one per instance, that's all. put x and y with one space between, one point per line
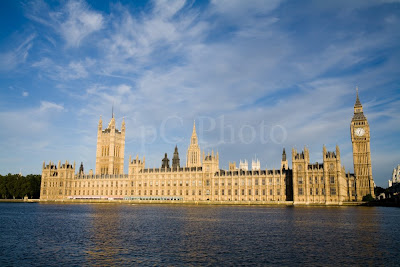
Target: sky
255 76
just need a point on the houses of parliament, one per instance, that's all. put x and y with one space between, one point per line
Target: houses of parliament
202 180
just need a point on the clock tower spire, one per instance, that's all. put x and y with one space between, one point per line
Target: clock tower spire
360 138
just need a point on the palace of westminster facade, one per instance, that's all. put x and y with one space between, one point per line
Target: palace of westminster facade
202 179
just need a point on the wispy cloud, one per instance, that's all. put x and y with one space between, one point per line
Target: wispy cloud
60 71
17 55
73 22
46 106
244 62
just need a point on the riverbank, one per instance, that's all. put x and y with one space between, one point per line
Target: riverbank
181 202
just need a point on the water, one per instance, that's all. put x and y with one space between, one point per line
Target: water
116 234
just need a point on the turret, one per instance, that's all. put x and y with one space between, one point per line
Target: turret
165 162
100 127
123 126
337 152
284 155
81 172
175 159
210 163
284 162
135 165
232 166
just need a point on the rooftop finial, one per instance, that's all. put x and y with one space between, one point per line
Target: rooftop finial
112 111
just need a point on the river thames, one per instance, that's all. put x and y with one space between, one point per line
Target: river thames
38 234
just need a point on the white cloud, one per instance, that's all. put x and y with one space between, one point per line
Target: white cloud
76 71
123 89
80 22
25 94
74 21
27 121
240 9
166 9
240 59
46 106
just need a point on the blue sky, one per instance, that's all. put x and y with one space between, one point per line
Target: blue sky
256 76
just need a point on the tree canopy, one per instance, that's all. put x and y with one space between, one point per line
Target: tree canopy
14 186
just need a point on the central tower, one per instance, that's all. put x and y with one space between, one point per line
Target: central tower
360 137
110 148
193 153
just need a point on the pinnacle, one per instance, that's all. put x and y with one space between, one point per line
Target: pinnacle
358 102
194 135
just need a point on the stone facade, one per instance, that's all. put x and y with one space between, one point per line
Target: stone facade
203 180
318 182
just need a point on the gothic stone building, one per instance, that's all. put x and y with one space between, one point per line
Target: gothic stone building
202 179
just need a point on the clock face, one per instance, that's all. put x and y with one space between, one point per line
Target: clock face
359 131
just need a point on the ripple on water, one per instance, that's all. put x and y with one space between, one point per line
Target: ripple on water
45 234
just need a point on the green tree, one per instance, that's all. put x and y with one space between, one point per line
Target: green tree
3 187
367 198
17 186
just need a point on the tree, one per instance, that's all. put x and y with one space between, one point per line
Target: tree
379 190
367 198
17 186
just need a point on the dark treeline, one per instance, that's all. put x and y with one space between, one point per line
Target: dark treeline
14 186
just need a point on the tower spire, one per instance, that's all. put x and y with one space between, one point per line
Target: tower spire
193 153
112 111
358 102
194 134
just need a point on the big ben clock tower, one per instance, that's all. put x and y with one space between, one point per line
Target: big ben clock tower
360 137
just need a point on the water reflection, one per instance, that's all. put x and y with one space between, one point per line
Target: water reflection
104 240
197 235
163 235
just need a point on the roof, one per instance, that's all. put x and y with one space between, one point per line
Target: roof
359 116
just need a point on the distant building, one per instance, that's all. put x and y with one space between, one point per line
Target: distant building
395 176
255 165
202 179
243 165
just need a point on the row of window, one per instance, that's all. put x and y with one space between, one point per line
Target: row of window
174 183
256 192
223 192
317 192
105 151
53 184
310 180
